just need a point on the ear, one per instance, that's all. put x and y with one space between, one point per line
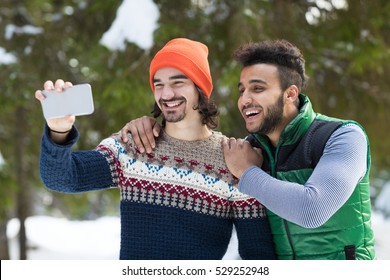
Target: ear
292 93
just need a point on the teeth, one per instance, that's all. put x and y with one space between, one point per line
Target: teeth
251 112
172 104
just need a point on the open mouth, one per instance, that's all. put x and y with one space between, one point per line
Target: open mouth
172 104
251 113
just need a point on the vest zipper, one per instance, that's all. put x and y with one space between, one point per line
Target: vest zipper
289 238
286 227
273 161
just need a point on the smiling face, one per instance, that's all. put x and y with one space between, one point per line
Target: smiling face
176 95
261 100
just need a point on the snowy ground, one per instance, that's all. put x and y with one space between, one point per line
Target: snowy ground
60 239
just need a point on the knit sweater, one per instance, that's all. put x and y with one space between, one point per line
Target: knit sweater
180 202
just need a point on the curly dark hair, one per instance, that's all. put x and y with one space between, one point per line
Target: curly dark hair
206 107
284 55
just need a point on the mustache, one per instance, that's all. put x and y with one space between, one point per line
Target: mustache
161 100
252 106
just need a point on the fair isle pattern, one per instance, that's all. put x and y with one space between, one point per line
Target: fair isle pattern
248 208
151 188
188 200
176 175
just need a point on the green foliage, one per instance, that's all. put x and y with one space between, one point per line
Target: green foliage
346 52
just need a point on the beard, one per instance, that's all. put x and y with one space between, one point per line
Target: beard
273 118
172 116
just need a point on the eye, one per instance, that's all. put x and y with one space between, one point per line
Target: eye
241 90
257 88
178 82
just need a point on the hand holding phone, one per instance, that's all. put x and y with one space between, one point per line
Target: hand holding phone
75 100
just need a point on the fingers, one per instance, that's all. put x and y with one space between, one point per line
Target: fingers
58 124
142 132
133 127
39 95
48 85
145 131
232 142
58 86
156 130
226 143
243 142
148 136
124 132
258 151
68 84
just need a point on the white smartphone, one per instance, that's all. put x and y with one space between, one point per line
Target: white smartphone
76 100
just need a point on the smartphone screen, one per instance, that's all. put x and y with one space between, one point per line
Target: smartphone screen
76 100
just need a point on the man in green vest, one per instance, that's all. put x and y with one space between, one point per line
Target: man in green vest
314 175
315 169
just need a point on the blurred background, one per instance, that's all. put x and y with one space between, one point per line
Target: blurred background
109 44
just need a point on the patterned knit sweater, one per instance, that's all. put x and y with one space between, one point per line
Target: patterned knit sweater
177 203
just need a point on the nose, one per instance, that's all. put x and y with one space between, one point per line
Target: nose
245 98
167 93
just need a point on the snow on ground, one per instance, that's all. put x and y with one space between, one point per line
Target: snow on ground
381 228
60 239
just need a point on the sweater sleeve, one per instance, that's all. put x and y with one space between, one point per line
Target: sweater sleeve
64 170
341 167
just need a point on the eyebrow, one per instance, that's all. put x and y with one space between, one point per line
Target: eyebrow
253 81
175 77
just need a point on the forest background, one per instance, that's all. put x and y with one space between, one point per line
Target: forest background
345 43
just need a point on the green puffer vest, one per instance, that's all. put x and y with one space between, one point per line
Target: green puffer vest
347 234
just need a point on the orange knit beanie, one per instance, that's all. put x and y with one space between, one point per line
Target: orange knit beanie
190 57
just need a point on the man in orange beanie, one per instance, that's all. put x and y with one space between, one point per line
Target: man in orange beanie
178 202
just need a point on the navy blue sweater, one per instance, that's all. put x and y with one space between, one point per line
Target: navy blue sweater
180 202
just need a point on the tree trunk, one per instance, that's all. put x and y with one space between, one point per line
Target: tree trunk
22 198
4 251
